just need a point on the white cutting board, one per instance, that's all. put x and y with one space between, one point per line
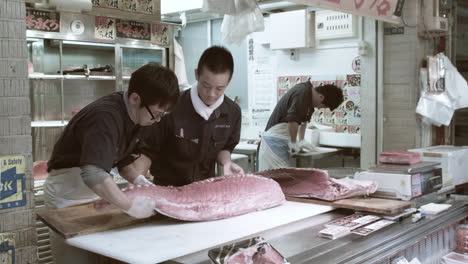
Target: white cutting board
168 239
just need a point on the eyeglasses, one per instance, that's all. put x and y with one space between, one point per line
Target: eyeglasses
158 113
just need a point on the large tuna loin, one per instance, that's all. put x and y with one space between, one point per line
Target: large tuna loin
211 199
399 157
315 183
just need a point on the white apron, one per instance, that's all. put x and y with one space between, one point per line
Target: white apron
64 188
274 149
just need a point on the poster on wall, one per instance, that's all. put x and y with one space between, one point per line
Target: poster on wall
385 10
356 64
128 5
7 248
12 182
287 82
133 30
160 34
140 6
106 3
145 6
42 20
262 83
104 28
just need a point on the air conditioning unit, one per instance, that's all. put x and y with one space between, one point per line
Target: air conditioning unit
434 20
333 25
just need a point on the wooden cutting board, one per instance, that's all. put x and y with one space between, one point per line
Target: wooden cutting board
84 219
367 204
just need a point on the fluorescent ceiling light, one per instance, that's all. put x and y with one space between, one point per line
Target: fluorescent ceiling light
69 42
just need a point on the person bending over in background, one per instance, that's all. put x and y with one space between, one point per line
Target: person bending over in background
106 134
286 127
203 129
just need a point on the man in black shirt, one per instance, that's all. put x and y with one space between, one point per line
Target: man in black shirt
203 129
286 127
103 135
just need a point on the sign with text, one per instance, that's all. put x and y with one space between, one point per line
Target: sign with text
42 20
160 34
7 248
12 182
133 30
386 10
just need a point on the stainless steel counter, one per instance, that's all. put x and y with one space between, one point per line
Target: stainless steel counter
429 240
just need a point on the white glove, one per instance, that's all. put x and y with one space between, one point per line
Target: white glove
141 180
294 148
142 207
305 145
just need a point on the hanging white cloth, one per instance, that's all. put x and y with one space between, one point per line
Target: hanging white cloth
179 66
274 149
201 108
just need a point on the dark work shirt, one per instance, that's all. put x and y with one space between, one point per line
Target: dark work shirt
294 106
101 134
184 147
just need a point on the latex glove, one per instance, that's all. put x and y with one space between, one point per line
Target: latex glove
294 148
232 168
305 145
142 207
141 180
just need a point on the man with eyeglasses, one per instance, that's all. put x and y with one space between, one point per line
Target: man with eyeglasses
105 134
203 129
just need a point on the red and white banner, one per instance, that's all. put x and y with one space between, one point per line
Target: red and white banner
386 10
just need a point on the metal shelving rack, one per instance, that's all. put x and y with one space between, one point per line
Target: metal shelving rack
53 93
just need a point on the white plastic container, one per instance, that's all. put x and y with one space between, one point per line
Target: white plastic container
454 162
313 132
455 258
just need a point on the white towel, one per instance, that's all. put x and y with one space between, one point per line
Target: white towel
201 108
179 66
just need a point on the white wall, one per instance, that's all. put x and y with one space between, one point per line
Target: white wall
317 62
172 6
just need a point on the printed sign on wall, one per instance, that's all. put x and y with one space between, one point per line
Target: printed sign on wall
160 34
287 82
139 6
7 248
106 3
42 20
12 182
133 30
104 28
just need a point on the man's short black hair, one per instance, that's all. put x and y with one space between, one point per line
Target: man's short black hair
216 59
333 95
155 84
